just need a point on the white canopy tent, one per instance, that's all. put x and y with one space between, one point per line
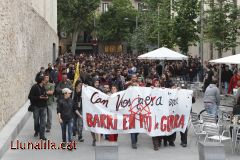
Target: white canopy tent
234 59
162 54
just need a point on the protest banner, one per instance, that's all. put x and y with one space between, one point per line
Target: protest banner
154 111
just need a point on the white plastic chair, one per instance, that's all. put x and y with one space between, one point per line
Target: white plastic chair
213 133
197 126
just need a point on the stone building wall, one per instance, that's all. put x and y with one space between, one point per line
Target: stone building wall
26 44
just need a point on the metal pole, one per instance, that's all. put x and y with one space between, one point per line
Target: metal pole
201 33
158 28
220 78
171 9
136 21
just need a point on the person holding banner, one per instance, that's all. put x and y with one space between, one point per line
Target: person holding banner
134 136
167 83
77 119
106 90
158 139
185 134
113 137
96 85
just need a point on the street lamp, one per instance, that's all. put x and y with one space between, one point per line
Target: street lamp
136 21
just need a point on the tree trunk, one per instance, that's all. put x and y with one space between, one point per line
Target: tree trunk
220 53
211 50
235 18
74 41
234 51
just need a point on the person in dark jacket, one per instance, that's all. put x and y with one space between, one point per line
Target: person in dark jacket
40 74
38 98
77 118
159 68
65 83
51 73
185 134
226 77
65 111
208 78
236 111
116 81
167 83
71 73
97 86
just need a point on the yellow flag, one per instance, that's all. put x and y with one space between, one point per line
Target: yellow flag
77 74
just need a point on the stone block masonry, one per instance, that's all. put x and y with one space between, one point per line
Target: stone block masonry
26 44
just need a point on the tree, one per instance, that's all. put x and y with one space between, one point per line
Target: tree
76 15
161 30
223 25
118 23
185 24
140 37
235 26
155 25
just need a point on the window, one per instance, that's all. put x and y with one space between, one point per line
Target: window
105 7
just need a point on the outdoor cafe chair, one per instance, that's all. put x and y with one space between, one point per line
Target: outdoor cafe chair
213 132
207 118
196 126
236 131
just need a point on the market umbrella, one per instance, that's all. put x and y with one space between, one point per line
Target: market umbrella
162 54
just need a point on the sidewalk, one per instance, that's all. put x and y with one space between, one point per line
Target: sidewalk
85 151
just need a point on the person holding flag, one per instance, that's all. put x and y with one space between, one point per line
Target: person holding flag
77 74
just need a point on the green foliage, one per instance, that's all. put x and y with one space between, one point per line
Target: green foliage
139 39
155 26
171 24
76 14
185 24
162 25
222 24
118 23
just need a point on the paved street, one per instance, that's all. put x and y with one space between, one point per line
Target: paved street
85 151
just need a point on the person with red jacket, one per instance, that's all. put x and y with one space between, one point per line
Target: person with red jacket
234 81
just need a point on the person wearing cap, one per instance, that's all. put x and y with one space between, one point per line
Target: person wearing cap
65 112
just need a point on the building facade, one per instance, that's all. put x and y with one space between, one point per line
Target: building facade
28 33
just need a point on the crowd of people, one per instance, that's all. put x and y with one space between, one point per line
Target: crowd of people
108 74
